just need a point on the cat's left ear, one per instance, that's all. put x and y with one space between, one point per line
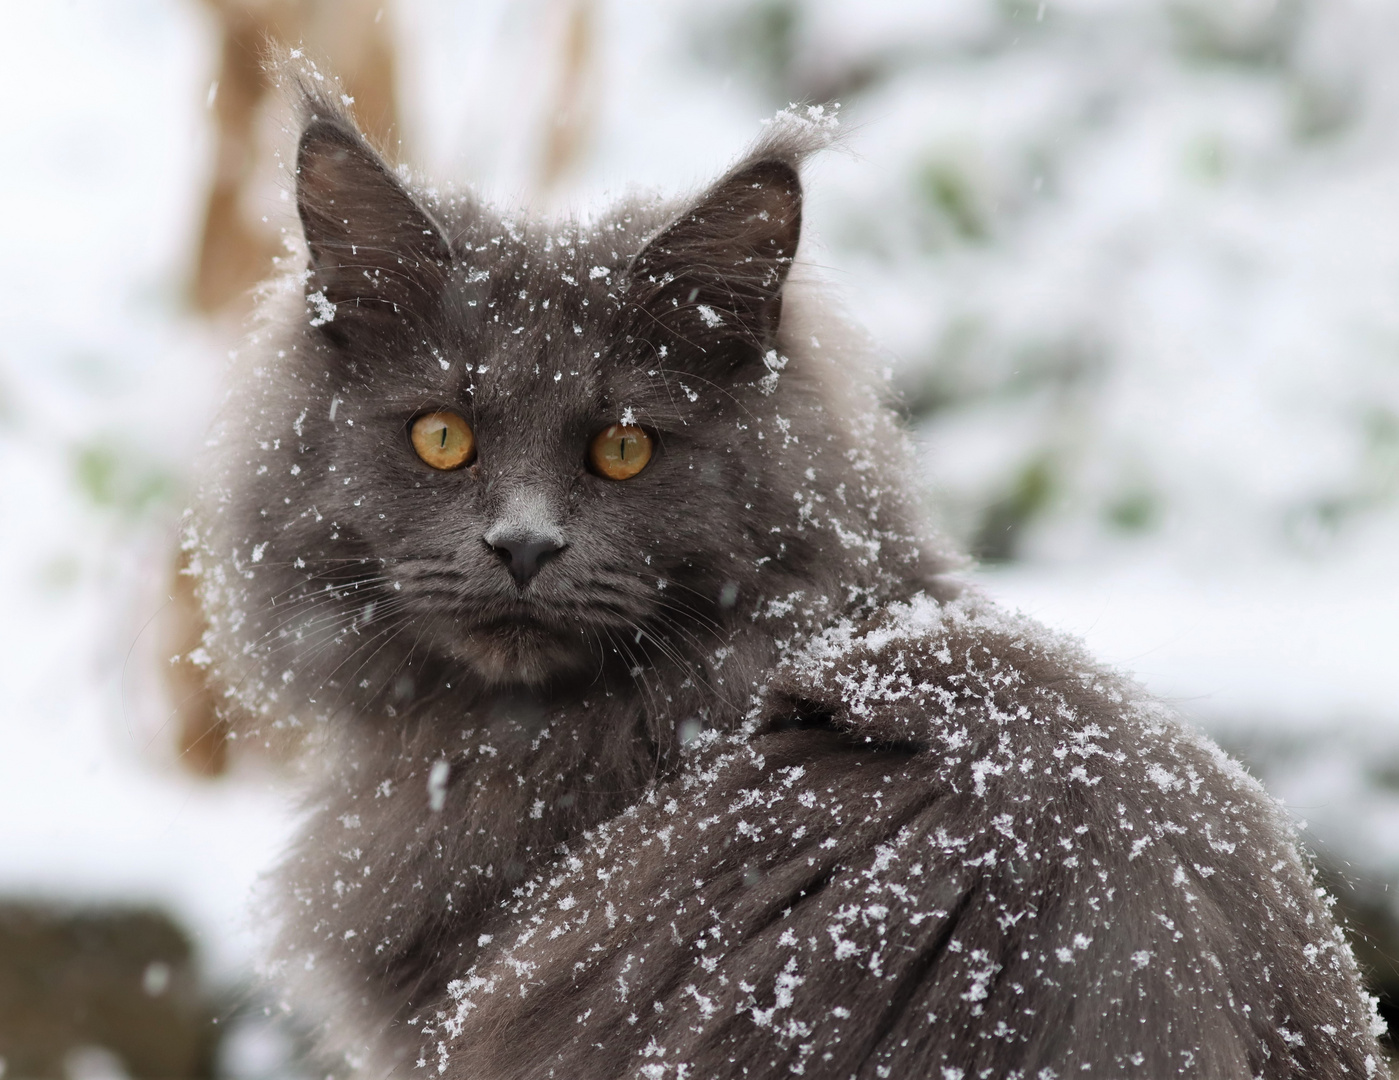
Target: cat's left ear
374 250
712 280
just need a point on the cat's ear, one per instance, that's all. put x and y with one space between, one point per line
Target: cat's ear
712 280
374 250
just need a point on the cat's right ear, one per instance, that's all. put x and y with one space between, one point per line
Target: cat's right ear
374 250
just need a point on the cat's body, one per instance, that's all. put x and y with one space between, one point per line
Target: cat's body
732 779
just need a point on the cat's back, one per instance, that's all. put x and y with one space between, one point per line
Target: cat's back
946 845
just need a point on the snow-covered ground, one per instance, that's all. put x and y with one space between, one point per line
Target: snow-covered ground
1142 293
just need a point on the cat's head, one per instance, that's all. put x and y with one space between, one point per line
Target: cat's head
519 452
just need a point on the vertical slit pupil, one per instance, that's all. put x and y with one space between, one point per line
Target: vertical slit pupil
444 437
622 452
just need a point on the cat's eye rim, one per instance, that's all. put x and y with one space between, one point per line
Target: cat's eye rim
614 467
442 439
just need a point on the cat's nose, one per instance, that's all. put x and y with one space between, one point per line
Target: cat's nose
523 553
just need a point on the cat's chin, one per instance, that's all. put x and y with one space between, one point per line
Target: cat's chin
522 655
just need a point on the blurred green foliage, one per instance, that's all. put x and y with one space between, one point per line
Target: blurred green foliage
1250 33
970 193
946 186
760 41
1006 518
118 477
1134 510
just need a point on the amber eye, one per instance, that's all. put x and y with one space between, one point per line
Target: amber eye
620 452
444 440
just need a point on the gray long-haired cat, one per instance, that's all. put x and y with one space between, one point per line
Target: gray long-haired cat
646 733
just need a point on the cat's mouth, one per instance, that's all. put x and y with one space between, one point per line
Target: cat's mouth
523 651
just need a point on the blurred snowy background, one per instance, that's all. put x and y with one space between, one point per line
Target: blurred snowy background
1135 264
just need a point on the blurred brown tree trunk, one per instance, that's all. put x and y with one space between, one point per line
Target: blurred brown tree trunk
351 38
572 107
201 731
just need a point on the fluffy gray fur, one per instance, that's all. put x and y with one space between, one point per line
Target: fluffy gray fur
741 783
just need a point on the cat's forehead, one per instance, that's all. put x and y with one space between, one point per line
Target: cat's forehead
549 370
558 261
535 327
540 314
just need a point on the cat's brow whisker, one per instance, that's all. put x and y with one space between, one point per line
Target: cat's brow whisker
713 385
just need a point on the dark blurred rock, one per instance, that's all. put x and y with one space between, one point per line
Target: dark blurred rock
102 991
